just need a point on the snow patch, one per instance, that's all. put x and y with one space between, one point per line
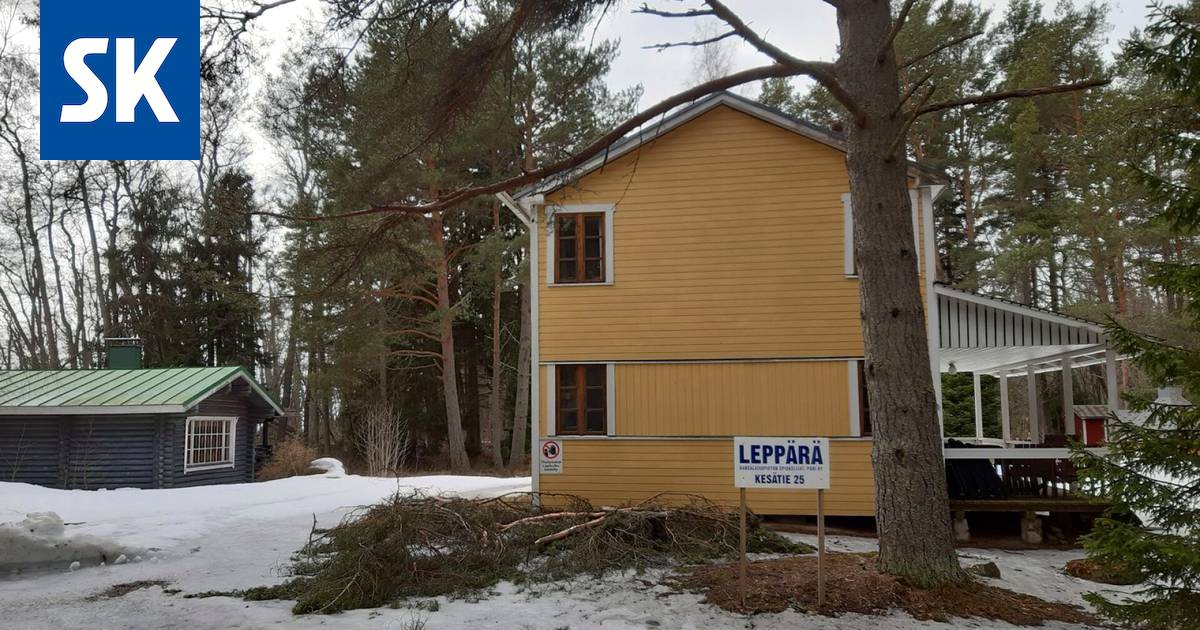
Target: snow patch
41 540
333 468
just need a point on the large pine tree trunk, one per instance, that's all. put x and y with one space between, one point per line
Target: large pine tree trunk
516 456
912 508
454 427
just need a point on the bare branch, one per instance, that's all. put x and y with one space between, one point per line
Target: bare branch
937 49
822 72
702 42
690 13
996 97
901 18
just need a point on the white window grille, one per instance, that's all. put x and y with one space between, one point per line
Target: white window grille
208 443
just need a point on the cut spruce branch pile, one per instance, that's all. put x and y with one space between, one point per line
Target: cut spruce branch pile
429 546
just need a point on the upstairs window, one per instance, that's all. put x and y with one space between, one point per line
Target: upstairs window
208 443
579 248
581 406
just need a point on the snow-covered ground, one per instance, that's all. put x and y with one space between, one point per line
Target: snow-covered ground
220 538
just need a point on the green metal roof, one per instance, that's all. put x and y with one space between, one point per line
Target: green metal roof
117 391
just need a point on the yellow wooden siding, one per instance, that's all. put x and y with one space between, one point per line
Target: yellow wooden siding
727 244
723 399
618 471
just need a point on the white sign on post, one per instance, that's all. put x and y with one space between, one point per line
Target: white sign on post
782 463
800 463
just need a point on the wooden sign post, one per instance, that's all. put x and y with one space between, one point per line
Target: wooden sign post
742 562
820 547
782 464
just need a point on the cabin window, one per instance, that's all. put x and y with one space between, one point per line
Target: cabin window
579 247
208 443
581 406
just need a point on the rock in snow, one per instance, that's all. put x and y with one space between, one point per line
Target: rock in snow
41 540
333 468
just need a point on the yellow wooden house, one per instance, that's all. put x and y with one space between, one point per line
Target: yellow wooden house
696 282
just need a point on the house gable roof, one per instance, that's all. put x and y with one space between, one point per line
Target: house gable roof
652 131
141 391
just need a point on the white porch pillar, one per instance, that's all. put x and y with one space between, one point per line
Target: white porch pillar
978 405
1068 397
1110 379
1035 428
1005 419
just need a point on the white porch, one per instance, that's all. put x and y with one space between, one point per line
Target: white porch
1026 465
987 336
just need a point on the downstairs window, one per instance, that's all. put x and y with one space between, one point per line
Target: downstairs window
581 401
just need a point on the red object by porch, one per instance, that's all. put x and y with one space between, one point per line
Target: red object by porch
1089 424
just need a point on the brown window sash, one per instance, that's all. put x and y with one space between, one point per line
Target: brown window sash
864 403
581 400
579 248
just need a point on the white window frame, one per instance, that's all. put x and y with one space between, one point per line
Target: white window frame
553 210
230 444
610 394
855 410
848 267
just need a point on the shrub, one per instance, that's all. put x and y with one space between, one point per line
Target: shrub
289 459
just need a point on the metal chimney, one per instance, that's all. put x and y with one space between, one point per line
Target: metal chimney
123 353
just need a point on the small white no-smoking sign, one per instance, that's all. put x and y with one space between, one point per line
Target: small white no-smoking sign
552 457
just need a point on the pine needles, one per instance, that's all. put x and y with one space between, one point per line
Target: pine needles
425 547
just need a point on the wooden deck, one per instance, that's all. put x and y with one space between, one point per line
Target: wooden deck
1030 504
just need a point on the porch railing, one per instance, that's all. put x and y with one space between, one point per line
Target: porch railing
983 472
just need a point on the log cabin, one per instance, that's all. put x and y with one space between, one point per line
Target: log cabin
129 426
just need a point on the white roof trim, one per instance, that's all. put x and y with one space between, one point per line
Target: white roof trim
652 130
1019 309
253 386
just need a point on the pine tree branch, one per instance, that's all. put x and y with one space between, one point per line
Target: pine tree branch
996 97
898 24
413 331
937 49
909 93
393 293
902 135
567 163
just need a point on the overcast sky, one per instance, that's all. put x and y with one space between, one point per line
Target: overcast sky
805 28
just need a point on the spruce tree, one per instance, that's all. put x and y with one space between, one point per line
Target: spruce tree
1151 473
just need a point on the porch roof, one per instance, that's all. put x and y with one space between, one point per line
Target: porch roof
989 335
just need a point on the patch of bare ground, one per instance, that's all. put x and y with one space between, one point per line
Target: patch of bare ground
121 590
1096 571
854 585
